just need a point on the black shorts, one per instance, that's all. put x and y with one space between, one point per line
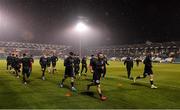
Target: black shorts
48 65
43 66
69 72
97 77
53 64
148 71
26 70
8 63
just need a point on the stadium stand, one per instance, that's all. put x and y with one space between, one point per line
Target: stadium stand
161 50
32 48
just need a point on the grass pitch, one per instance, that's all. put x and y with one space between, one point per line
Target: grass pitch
120 92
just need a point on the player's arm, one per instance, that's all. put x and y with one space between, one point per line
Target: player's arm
91 69
132 64
107 63
125 62
40 61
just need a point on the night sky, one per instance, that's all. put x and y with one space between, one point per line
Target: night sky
119 21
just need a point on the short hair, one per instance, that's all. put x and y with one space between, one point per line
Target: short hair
71 53
24 54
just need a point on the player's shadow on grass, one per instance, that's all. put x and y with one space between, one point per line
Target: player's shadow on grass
88 93
139 84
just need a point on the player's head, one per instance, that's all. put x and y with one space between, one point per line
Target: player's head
149 54
71 54
13 54
16 55
92 56
100 55
24 54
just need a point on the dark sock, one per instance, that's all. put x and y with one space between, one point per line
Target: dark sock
100 95
62 81
151 82
72 84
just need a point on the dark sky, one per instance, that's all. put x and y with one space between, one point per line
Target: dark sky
121 21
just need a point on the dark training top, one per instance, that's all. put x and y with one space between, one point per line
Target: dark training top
69 62
26 62
148 62
76 61
129 63
54 59
84 61
43 61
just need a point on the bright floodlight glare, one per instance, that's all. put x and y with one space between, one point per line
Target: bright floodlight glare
81 27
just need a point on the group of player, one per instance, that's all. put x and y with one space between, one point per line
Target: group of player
147 69
14 63
72 62
97 68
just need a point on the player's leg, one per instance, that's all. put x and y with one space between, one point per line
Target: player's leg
49 69
82 69
72 84
86 69
17 72
10 67
151 81
140 77
63 80
43 72
128 72
53 67
29 72
104 72
24 76
89 85
7 66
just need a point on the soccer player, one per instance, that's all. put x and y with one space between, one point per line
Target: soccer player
84 65
26 61
147 71
49 64
8 60
69 72
137 61
54 59
31 62
98 70
76 64
13 62
17 65
43 63
129 65
105 63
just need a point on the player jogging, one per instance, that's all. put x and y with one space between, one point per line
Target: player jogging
147 71
69 70
98 70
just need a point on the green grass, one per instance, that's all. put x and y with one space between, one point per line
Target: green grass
121 92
